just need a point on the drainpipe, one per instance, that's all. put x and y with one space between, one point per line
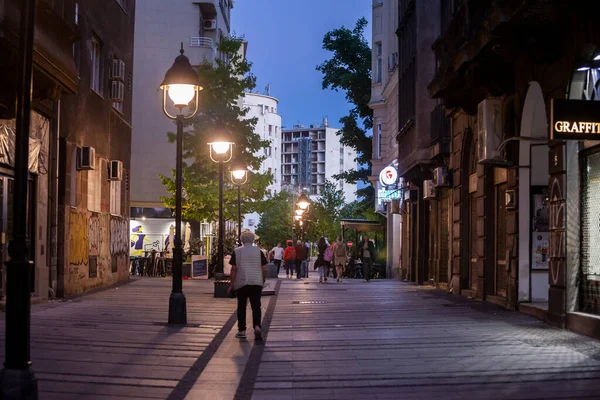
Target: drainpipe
53 203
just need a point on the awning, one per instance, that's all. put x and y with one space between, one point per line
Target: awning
361 225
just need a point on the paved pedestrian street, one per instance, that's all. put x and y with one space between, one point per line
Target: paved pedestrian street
354 340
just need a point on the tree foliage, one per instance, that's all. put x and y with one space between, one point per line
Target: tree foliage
220 111
276 221
324 214
349 70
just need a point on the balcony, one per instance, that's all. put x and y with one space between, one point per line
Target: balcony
202 49
202 41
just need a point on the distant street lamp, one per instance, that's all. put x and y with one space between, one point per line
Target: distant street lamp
300 212
221 151
181 86
239 176
303 202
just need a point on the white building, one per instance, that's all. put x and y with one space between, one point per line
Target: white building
264 107
384 102
160 28
311 155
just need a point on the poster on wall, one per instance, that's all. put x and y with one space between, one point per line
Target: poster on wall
199 267
539 231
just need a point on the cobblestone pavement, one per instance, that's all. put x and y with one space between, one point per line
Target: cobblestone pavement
354 340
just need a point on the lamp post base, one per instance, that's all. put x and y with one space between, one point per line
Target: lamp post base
18 384
177 309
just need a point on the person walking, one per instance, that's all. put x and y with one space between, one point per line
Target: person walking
367 253
321 263
248 276
306 260
340 257
289 257
277 256
300 253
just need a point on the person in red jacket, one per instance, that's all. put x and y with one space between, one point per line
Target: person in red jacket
300 255
289 257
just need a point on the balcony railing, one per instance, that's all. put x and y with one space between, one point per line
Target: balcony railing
201 41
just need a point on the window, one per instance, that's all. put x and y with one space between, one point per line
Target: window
270 130
73 185
96 65
407 49
115 197
267 151
378 154
76 13
76 55
95 186
379 66
270 171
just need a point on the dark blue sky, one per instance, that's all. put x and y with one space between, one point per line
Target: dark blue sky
285 45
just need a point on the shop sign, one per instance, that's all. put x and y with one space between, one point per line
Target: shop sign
386 196
388 176
574 120
349 244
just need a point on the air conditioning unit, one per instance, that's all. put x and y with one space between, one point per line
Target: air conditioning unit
115 170
86 158
210 24
392 61
117 91
117 72
490 134
440 177
429 190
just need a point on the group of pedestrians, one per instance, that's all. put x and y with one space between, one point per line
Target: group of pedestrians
249 270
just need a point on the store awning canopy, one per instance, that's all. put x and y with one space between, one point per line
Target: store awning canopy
361 225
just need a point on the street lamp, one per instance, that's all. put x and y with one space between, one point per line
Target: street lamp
17 380
221 151
303 202
181 87
239 176
299 212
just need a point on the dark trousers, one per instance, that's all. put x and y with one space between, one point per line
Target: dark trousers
252 292
289 267
367 267
298 268
278 265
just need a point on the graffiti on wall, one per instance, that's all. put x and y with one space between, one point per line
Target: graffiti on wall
78 239
119 232
94 235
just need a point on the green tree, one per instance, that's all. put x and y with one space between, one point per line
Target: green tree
276 221
324 214
349 70
220 111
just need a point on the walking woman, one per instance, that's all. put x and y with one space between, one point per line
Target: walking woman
340 257
248 275
289 257
321 263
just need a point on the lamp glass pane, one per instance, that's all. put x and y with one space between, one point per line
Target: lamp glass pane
239 174
303 205
220 147
181 95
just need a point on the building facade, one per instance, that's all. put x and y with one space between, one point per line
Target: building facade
264 108
421 150
384 102
523 187
79 143
161 27
311 155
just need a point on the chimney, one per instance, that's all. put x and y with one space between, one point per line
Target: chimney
325 122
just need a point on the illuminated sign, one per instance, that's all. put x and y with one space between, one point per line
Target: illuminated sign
574 120
388 176
388 195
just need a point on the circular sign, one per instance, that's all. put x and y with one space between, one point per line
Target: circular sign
349 244
388 176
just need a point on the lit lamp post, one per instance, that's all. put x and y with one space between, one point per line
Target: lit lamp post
221 151
239 176
181 86
17 380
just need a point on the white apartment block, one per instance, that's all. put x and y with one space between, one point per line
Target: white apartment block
384 102
264 108
311 155
160 28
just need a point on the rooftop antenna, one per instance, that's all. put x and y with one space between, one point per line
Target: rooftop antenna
268 89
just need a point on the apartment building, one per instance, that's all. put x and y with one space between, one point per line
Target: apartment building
311 155
161 27
264 108
384 103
